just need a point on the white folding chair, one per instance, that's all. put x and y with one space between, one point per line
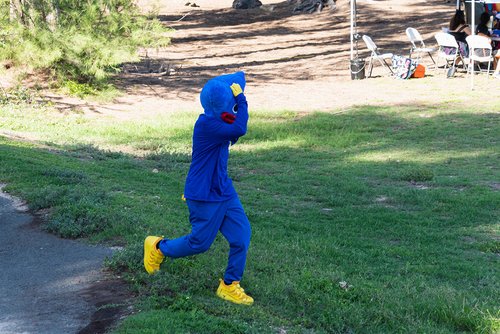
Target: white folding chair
375 55
418 45
480 51
448 50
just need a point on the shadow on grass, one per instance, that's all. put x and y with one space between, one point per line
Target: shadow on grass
397 203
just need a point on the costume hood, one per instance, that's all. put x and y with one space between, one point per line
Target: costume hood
216 97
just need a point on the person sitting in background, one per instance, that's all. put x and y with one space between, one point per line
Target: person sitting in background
482 30
482 27
460 30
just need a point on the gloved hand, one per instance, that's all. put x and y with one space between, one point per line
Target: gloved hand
228 117
236 88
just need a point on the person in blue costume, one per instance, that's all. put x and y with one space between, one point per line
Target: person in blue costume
209 193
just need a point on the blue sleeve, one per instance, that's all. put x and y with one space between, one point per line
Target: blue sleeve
222 131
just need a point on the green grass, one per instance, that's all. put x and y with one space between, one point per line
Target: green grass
399 202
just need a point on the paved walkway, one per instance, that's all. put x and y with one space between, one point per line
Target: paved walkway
44 280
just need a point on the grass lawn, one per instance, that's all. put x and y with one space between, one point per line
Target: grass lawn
373 220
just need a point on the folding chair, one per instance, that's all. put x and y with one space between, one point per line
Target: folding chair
415 38
448 50
375 55
479 51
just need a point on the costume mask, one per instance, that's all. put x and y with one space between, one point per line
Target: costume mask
217 98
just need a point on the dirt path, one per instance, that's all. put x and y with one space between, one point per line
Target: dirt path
292 62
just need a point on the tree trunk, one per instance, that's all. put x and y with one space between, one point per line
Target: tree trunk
18 11
13 11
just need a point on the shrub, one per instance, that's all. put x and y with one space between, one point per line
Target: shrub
84 41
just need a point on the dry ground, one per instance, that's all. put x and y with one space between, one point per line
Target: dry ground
293 62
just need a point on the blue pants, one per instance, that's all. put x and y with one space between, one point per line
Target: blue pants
207 218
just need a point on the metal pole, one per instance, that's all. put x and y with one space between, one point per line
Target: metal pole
473 20
473 23
356 36
352 29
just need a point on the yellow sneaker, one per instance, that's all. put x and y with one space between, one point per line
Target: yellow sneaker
153 257
234 293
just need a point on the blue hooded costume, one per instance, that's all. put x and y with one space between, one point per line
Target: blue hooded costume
211 198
